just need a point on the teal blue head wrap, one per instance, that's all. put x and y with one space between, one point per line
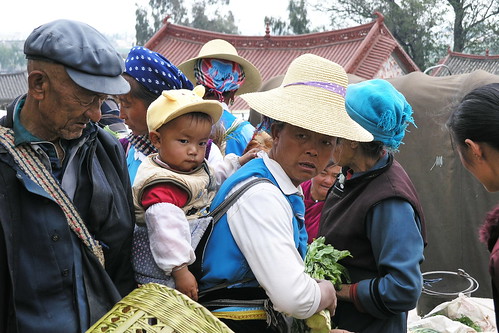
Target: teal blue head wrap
382 110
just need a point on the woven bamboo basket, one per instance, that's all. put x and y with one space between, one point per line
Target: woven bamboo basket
157 308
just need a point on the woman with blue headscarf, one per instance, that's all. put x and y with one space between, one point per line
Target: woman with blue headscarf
373 211
149 73
225 74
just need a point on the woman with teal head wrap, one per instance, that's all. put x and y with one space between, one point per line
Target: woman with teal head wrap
373 210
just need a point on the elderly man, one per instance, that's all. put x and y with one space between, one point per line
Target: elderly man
66 215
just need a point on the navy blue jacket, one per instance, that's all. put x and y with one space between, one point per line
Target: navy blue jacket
42 261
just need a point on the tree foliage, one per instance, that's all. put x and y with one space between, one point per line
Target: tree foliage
476 25
150 19
12 57
422 27
219 22
414 23
297 18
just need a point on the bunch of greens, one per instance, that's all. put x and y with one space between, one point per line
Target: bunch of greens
321 262
468 322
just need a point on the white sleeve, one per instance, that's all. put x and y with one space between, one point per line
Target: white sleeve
169 236
261 223
215 155
225 167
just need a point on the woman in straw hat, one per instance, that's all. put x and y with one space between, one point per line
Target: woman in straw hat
373 211
256 250
225 74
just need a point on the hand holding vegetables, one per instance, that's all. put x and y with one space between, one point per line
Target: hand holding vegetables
321 263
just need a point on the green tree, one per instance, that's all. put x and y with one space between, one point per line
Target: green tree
476 24
417 25
149 20
298 20
12 57
277 26
219 22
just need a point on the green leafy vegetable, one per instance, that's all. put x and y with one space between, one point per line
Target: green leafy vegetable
321 262
468 322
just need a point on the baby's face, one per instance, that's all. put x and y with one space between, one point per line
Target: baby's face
182 142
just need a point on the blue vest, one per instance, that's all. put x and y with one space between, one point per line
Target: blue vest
238 139
132 164
223 261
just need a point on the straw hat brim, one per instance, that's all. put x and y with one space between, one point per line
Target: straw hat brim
300 106
213 108
253 79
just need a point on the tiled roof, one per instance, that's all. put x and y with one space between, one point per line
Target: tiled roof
460 63
11 86
361 50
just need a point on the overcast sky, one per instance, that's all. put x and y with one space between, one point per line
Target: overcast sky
20 17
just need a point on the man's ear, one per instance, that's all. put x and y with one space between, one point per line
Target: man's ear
275 132
37 84
354 144
155 138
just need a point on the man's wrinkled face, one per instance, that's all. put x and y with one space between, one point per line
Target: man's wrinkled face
66 108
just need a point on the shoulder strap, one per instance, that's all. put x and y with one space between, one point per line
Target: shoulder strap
25 157
229 201
216 214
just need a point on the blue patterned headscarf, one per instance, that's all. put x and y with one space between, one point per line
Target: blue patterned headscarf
218 75
382 110
154 71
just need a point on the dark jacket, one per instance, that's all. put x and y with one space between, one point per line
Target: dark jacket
388 288
40 256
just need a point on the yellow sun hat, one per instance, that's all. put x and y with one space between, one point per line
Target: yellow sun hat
177 102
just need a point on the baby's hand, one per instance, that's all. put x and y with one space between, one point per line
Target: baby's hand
248 156
186 283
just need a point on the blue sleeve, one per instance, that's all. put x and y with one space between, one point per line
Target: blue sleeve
395 233
238 140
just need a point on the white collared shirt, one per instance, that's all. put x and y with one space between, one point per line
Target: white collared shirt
261 223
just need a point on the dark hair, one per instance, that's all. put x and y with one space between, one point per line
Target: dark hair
137 90
477 117
198 116
372 149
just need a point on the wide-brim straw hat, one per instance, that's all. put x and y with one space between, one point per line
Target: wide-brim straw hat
311 96
221 49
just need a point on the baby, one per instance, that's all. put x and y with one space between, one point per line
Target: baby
174 187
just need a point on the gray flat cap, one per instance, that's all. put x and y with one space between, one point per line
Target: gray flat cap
89 58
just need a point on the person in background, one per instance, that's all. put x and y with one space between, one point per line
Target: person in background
262 240
473 129
314 193
373 211
148 73
225 74
110 119
66 213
